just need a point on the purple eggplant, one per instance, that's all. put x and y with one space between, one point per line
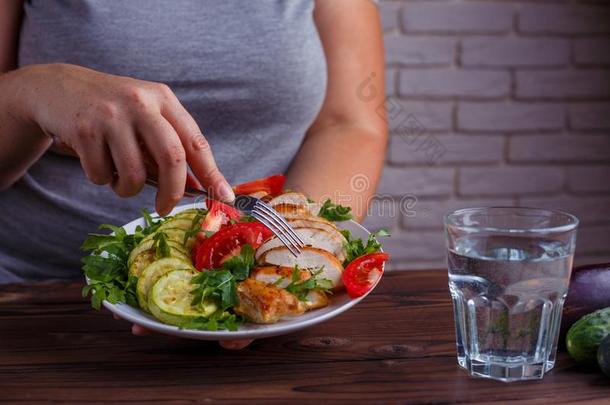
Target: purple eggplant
589 291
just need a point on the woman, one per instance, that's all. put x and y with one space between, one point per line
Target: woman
100 92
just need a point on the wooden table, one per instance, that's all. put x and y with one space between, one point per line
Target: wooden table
395 347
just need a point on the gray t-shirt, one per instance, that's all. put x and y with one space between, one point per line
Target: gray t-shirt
252 74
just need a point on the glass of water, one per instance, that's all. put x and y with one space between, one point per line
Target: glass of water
509 270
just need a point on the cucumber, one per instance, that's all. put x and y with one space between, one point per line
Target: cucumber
603 355
153 271
585 336
148 257
169 300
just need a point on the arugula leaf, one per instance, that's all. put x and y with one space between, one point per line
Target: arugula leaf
241 265
161 246
334 212
217 285
218 320
106 267
195 228
302 288
355 247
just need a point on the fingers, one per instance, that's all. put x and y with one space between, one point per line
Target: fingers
198 151
96 161
128 162
234 344
166 149
138 330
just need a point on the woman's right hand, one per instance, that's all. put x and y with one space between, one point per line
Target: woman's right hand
122 129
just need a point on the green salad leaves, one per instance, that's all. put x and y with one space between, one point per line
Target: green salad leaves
301 288
106 267
356 247
334 212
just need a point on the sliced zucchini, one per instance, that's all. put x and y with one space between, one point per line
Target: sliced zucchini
147 257
147 244
191 213
169 300
173 234
153 271
180 223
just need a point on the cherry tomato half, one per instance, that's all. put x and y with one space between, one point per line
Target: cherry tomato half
227 242
361 275
270 185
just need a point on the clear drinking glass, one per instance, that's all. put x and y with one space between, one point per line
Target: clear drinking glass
509 270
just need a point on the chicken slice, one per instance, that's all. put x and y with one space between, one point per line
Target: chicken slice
291 197
313 237
265 303
273 275
309 258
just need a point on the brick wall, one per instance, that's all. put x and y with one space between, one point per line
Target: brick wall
516 97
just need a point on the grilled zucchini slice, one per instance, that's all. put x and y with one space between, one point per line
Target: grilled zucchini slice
153 271
169 299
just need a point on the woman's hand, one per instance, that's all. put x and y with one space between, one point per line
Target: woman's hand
122 130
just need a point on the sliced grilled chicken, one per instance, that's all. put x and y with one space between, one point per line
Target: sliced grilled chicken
322 224
314 208
291 197
260 302
292 210
310 258
272 275
313 237
316 299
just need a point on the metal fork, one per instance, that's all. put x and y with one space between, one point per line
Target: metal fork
259 210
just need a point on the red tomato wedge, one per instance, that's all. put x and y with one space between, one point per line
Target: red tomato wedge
227 242
362 273
219 214
270 185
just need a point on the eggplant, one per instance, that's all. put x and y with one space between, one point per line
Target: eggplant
589 291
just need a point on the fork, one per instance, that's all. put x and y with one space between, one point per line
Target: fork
259 210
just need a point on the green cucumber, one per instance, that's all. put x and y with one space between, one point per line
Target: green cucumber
585 336
153 271
169 299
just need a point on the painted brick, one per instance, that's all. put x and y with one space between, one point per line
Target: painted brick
419 51
383 213
568 19
429 213
453 83
570 148
389 12
592 51
516 52
563 84
510 180
416 181
413 118
446 149
457 17
589 210
590 116
513 117
390 82
421 245
589 179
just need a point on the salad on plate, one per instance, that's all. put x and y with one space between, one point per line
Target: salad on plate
214 268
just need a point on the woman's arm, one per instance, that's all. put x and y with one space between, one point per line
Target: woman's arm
343 152
17 153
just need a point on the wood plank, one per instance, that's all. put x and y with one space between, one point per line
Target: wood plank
395 347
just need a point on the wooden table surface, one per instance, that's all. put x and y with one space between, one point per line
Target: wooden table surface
395 347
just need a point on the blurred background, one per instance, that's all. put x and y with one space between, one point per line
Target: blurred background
494 103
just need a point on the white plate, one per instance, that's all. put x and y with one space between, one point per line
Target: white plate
339 303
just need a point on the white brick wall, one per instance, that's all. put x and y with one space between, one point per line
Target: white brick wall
517 93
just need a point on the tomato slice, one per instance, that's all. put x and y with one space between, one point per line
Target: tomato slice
219 214
362 273
270 185
227 242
